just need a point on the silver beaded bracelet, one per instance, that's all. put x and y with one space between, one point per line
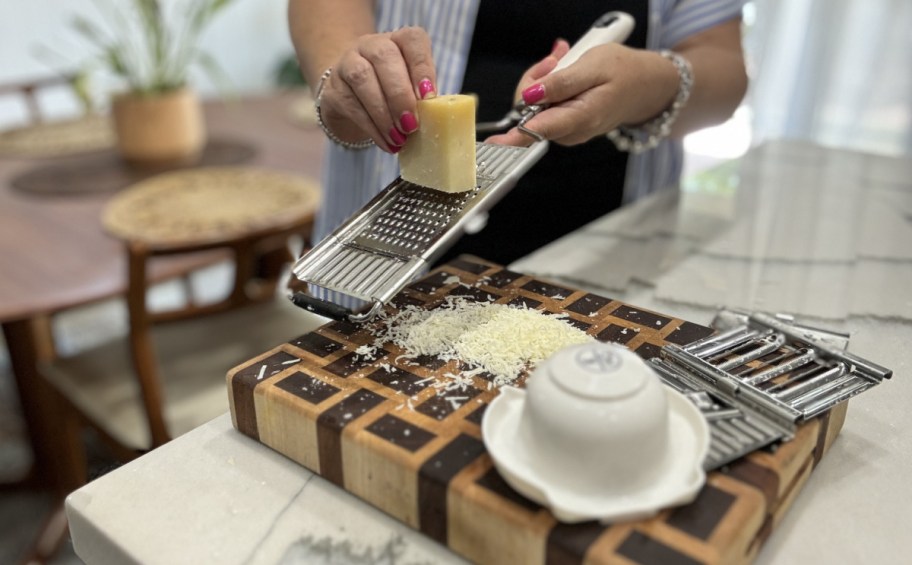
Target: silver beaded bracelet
647 136
318 99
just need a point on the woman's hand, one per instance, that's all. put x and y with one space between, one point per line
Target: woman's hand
608 86
612 85
373 89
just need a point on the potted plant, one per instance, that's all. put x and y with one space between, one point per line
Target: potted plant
158 118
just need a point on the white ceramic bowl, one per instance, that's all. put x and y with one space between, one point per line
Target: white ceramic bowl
596 435
596 415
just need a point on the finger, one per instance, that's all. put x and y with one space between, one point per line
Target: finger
359 75
415 45
566 124
395 83
537 71
556 87
561 48
546 65
541 68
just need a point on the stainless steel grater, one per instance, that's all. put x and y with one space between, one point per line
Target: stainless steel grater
401 232
761 377
406 227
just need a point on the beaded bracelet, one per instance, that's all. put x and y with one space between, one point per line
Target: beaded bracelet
647 136
333 137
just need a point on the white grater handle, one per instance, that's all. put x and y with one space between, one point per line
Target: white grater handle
609 28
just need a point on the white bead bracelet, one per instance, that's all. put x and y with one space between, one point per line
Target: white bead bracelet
647 136
333 137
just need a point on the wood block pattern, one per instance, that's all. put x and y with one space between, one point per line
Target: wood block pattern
378 429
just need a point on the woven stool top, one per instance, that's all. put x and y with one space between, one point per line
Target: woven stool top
58 139
210 204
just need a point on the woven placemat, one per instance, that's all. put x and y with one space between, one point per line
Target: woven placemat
210 203
58 139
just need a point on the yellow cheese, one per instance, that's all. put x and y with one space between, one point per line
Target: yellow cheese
441 154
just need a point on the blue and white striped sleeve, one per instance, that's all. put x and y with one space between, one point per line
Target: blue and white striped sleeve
684 18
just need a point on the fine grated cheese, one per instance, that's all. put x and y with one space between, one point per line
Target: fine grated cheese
495 338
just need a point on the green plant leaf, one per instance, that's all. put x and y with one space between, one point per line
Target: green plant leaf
153 45
206 11
82 88
115 60
88 30
288 72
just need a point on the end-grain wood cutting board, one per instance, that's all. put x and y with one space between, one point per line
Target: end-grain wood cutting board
378 429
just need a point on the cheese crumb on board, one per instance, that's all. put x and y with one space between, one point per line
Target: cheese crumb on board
495 338
441 154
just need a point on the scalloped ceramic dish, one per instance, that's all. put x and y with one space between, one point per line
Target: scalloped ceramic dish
679 480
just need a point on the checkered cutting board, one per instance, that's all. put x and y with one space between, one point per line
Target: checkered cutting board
378 428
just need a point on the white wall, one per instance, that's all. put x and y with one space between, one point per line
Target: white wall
248 39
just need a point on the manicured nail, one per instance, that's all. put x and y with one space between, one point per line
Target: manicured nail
408 122
426 89
534 93
394 149
397 136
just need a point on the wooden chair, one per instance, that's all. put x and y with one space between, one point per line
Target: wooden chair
28 91
46 125
167 375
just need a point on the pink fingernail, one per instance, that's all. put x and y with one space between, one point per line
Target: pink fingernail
534 93
397 136
408 122
393 149
426 89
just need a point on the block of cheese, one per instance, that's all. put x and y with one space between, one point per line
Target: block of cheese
441 154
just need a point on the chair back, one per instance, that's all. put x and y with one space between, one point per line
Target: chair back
29 93
165 376
259 264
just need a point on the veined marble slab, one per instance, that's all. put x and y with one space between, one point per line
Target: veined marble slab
216 496
886 225
820 290
882 289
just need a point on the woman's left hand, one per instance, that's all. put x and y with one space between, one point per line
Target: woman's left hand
608 86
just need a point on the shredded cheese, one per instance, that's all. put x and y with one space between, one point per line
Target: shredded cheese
495 338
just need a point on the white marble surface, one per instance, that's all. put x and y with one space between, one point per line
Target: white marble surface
214 496
795 228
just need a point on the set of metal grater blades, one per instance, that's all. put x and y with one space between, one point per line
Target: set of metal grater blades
399 234
760 377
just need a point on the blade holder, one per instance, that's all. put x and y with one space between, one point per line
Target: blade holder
765 376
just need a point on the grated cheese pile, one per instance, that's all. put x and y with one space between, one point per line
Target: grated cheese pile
496 338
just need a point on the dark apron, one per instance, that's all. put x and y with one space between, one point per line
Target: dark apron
570 186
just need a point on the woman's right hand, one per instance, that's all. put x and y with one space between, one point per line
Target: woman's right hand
373 89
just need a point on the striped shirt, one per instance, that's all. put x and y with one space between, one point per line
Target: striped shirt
352 178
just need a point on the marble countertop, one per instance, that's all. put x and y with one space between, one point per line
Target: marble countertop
820 233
